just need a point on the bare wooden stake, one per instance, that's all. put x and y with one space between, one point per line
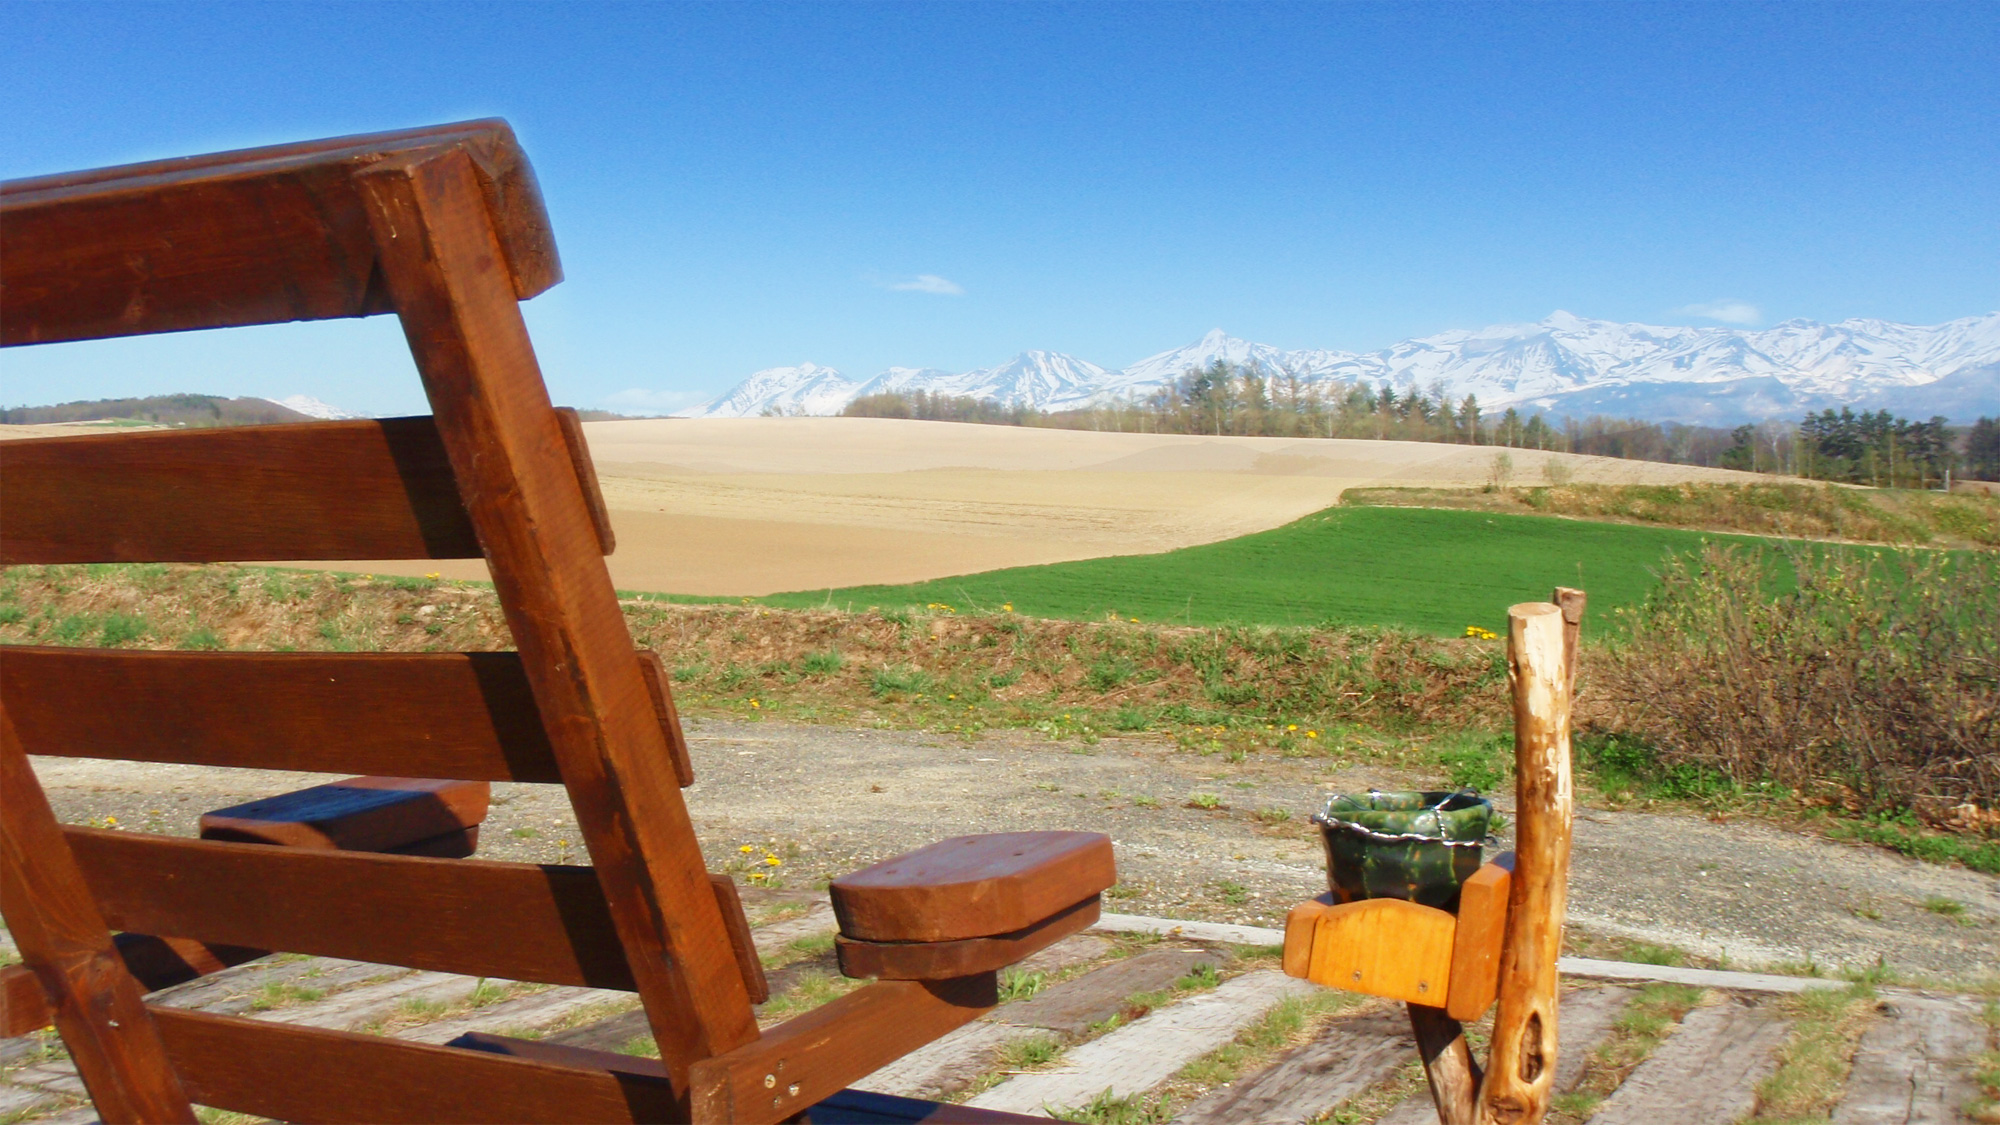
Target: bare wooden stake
1448 1063
1520 1075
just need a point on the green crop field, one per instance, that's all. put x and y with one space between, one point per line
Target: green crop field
1430 570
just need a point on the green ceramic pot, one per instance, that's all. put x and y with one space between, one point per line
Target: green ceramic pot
1413 846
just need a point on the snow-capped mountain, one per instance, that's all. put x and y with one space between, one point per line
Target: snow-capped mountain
312 407
805 389
1564 364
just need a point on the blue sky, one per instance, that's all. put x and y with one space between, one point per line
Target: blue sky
743 186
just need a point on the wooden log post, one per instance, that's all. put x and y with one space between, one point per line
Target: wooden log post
1520 1074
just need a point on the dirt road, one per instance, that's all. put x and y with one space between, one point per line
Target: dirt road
826 800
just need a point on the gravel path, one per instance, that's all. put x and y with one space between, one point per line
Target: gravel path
828 799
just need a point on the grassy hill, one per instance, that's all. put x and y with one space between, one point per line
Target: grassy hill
166 410
1431 570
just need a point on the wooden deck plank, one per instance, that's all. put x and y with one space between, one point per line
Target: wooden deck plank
1585 1019
1706 1074
1346 1058
949 1064
1914 1066
1074 1005
1147 1052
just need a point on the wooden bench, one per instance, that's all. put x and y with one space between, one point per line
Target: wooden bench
444 228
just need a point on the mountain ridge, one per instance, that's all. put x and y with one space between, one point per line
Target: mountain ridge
1562 364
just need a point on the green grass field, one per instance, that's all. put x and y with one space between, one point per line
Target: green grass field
1431 570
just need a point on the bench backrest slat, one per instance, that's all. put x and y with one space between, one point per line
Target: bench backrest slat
465 715
512 921
373 489
258 236
290 1073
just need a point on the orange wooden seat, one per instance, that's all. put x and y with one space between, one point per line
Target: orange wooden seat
442 227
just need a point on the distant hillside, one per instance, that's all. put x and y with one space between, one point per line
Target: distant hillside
167 410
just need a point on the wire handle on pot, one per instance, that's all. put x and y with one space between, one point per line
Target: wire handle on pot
1326 817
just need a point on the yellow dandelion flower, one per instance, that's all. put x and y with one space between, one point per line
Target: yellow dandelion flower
110 822
1007 607
756 704
773 861
1312 734
746 849
1291 726
434 575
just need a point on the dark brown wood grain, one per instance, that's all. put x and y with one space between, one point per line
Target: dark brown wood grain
973 886
943 960
444 267
291 1073
586 475
438 714
24 1007
516 921
810 1057
659 685
154 962
65 943
369 489
748 963
369 814
157 963
256 236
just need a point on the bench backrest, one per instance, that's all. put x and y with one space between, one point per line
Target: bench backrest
444 228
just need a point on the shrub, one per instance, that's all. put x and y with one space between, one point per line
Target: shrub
1878 675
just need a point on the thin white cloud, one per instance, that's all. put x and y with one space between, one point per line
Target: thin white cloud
1728 312
929 283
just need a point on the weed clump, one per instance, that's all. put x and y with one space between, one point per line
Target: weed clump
1875 682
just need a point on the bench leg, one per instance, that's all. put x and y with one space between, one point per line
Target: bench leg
1448 1063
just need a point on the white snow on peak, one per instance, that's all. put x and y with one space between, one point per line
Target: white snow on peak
805 389
312 407
1562 362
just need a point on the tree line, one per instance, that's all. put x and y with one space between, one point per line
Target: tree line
1225 399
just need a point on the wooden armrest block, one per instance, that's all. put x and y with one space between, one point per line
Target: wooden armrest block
973 886
360 814
943 960
1404 951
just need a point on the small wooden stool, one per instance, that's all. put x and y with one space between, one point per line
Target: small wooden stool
1507 933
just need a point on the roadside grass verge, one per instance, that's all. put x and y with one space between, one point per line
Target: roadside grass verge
1793 509
1431 706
